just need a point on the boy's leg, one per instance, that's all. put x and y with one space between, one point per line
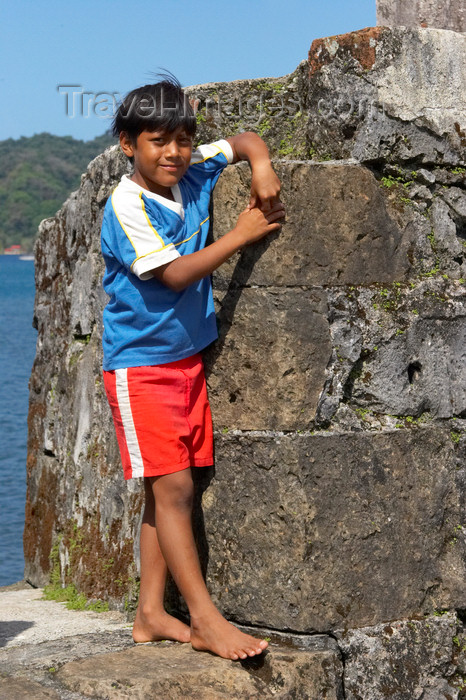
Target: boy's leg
152 622
210 631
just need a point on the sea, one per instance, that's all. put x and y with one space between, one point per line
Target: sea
17 348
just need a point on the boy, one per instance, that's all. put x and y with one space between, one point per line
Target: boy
159 317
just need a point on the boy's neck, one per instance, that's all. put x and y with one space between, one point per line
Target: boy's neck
162 191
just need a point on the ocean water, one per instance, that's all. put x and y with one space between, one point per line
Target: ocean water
17 348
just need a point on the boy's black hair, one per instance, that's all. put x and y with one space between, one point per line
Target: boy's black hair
161 105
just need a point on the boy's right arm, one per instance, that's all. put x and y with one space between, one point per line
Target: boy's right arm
252 225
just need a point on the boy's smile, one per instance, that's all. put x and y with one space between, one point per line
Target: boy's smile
161 158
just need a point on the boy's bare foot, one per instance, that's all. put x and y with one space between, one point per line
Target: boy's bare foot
153 628
214 633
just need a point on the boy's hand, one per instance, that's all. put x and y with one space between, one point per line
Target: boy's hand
265 187
254 223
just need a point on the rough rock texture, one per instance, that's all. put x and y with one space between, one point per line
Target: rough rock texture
73 493
400 660
380 94
442 14
21 688
320 244
337 384
291 547
42 660
273 107
395 95
148 671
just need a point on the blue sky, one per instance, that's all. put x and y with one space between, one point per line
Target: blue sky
111 46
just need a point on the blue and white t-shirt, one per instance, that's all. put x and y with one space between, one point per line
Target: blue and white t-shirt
145 322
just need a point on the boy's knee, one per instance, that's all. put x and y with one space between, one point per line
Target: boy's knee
175 491
181 497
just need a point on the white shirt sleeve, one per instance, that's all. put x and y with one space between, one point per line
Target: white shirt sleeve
151 248
210 150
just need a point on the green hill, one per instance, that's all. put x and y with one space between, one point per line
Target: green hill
37 175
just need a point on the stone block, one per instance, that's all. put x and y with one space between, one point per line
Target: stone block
341 228
400 661
396 351
267 369
395 95
320 532
177 672
422 370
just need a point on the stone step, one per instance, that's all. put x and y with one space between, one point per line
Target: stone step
177 672
43 657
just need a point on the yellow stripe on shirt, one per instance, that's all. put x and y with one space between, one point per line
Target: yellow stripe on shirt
158 250
149 222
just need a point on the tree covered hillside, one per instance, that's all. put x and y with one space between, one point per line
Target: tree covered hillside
37 175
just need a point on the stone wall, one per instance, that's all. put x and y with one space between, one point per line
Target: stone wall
442 14
337 385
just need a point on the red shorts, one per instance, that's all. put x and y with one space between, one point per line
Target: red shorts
162 417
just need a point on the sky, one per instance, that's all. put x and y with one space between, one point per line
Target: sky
108 47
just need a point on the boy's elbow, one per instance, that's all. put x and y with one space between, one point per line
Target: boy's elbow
173 282
170 277
175 285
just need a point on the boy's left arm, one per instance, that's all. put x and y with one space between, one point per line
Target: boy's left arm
265 185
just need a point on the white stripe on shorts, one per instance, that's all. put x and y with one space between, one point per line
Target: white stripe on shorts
124 405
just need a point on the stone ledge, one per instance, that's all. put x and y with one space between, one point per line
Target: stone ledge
179 672
28 618
55 664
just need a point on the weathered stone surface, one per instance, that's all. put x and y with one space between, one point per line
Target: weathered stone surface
43 658
405 660
442 14
75 485
427 364
40 659
288 358
73 457
341 228
22 688
268 368
395 95
397 351
29 619
275 108
315 532
180 672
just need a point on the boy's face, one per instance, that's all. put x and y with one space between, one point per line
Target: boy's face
161 158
